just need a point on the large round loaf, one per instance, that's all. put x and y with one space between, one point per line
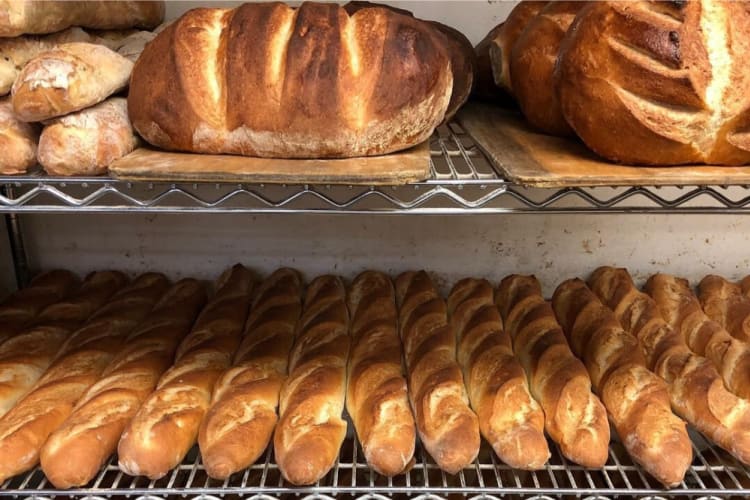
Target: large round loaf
268 80
659 82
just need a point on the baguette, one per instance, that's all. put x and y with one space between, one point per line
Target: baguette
240 423
76 367
574 417
311 429
447 426
509 417
637 400
724 303
166 425
376 397
18 141
78 448
681 309
695 387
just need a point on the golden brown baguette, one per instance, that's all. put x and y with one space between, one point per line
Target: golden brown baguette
18 141
311 429
637 399
77 366
447 426
166 425
76 451
696 390
681 309
240 422
376 397
574 417
509 417
724 302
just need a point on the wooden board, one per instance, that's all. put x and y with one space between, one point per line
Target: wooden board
145 164
534 159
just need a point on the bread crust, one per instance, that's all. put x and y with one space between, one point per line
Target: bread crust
18 141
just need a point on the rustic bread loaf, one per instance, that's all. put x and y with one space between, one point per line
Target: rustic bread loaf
484 86
306 82
18 141
724 302
659 82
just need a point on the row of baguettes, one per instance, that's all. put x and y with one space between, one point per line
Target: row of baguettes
275 361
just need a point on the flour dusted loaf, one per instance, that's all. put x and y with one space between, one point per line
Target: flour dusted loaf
18 141
268 80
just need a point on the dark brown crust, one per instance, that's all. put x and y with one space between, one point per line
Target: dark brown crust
463 66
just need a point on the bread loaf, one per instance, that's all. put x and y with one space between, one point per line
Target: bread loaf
76 451
18 17
166 425
680 308
509 418
311 429
636 399
76 367
574 417
240 423
724 303
302 83
88 141
695 387
448 428
376 397
68 78
668 77
484 86
131 47
18 141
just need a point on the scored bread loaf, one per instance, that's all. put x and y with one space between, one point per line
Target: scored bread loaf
68 78
637 400
18 17
668 77
166 425
376 397
681 309
448 428
78 448
77 366
18 141
311 429
574 417
509 417
88 141
724 302
240 422
696 390
484 86
303 83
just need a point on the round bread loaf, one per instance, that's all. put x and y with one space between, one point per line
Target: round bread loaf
268 80
659 83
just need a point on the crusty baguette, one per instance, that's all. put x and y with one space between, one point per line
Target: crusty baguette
376 397
166 425
68 78
447 426
724 302
78 448
77 366
311 429
88 141
18 141
509 417
574 417
681 309
637 399
696 390
240 423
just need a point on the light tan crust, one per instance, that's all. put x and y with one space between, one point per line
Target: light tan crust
659 82
311 82
724 302
696 390
681 309
18 17
78 448
68 78
311 430
574 417
637 399
509 417
166 425
87 142
240 422
448 428
78 365
18 141
377 398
